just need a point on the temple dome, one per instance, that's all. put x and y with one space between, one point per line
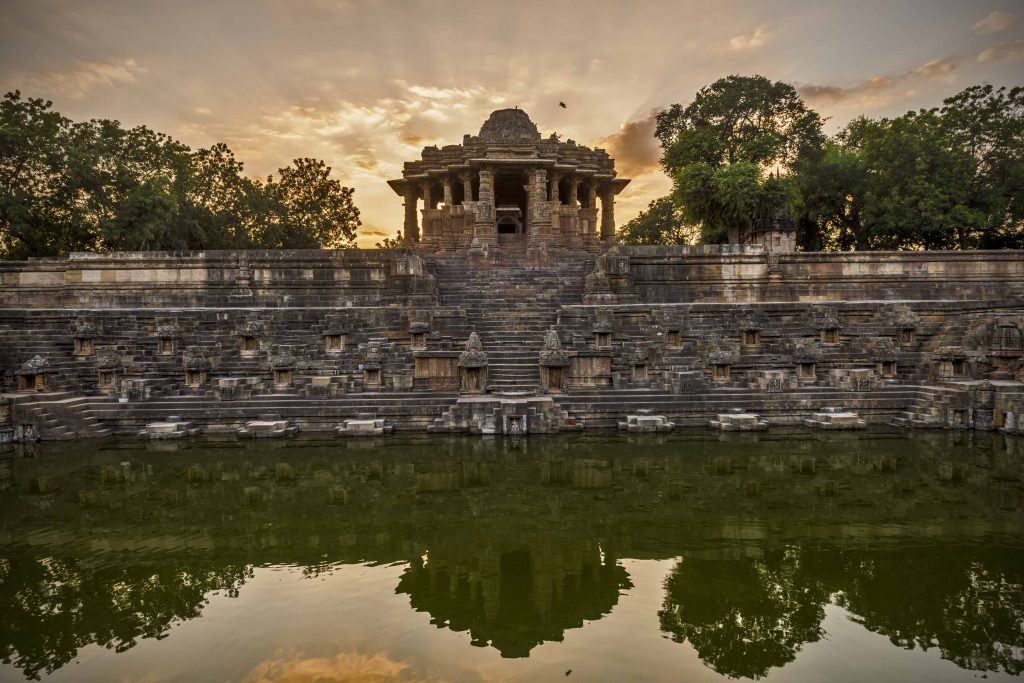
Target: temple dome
509 125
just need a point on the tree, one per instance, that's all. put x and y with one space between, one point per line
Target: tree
659 223
317 210
96 185
721 147
918 191
391 242
988 124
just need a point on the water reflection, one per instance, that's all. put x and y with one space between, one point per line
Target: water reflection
517 542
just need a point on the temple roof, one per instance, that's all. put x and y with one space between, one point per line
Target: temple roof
509 125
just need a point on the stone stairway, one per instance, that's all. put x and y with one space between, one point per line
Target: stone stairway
931 407
511 307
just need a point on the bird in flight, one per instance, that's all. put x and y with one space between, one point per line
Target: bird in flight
562 105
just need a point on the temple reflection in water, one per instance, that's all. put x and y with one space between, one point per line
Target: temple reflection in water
918 538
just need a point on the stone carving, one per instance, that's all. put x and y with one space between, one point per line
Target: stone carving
252 328
509 125
107 361
603 327
828 321
195 359
552 355
719 358
474 355
84 330
168 332
749 323
637 356
284 359
36 365
419 328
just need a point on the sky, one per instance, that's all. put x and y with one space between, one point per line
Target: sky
366 84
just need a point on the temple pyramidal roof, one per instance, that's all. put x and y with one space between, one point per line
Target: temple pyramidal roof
509 138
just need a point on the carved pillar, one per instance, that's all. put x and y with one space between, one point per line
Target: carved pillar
607 214
539 211
411 228
467 187
574 187
485 230
553 190
447 185
425 193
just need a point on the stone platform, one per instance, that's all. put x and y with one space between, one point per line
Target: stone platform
99 345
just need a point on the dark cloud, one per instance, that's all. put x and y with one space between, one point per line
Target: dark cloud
634 147
880 85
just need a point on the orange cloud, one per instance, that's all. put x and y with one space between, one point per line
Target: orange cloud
83 79
634 147
292 666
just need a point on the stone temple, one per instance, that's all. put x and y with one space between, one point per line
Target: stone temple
510 309
511 188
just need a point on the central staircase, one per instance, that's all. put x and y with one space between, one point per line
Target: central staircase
511 306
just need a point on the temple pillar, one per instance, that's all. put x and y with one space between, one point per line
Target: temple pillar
467 187
607 214
447 185
427 228
410 228
425 193
485 229
538 233
574 188
553 190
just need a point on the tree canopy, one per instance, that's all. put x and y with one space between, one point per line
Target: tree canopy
950 177
98 186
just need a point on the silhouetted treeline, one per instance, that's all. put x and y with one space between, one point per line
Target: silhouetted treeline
96 186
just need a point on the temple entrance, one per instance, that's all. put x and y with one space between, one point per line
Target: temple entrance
510 207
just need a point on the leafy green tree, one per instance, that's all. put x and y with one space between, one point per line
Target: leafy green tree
318 211
721 147
659 223
988 124
918 192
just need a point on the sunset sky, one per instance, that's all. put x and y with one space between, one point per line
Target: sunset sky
365 84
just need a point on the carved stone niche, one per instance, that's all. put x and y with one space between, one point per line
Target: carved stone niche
637 360
197 366
952 362
884 358
418 332
84 336
372 367
750 331
828 329
107 366
805 364
603 334
282 365
167 339
673 337
906 330
720 363
34 375
249 338
1006 349
334 340
472 365
590 369
553 362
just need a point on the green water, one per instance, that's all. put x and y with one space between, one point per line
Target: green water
692 557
